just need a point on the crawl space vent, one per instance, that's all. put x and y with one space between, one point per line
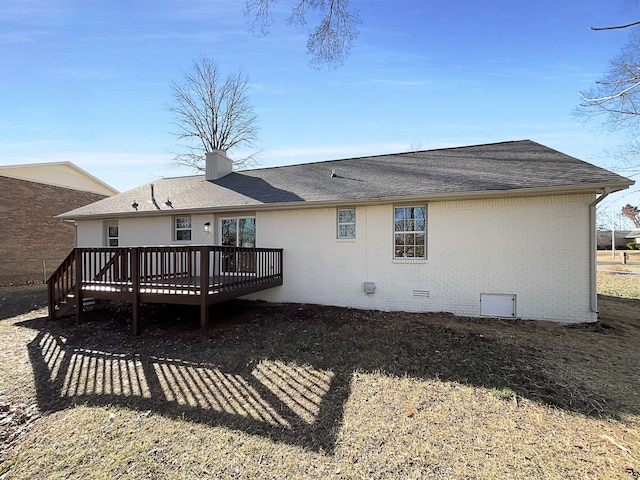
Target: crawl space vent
497 305
421 294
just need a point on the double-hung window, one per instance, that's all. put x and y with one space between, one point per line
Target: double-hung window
111 233
410 232
182 231
347 223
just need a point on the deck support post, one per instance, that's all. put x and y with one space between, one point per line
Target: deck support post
77 288
136 324
204 291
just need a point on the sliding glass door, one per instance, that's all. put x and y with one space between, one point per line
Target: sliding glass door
238 232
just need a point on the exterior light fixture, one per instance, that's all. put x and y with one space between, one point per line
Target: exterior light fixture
206 228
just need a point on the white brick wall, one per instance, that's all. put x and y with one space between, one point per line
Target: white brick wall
536 248
144 231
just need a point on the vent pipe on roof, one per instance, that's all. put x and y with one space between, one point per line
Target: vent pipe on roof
153 198
217 165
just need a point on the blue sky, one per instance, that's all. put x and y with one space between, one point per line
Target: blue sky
88 81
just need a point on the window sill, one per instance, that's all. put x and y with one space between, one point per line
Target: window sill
410 260
345 240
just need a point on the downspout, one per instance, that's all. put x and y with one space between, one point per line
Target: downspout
593 293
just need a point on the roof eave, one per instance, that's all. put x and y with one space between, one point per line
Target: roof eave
447 196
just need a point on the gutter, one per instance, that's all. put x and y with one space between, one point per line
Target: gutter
593 290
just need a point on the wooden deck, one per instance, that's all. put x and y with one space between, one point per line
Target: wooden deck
190 275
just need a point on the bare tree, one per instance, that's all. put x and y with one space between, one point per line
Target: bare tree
617 94
212 114
632 213
615 100
329 43
608 218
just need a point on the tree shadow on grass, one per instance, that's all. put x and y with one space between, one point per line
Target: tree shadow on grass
280 371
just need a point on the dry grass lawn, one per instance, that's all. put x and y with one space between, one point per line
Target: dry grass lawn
299 391
614 263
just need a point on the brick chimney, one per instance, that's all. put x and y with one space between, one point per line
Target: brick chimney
217 165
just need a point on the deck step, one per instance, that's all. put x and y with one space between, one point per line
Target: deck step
89 302
67 306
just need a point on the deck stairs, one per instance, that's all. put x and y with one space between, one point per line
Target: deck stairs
67 306
62 290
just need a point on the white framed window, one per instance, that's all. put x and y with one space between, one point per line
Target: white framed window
111 234
410 232
347 223
182 228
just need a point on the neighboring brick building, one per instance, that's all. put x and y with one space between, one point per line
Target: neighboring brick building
32 241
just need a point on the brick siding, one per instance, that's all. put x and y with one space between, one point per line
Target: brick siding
536 248
32 241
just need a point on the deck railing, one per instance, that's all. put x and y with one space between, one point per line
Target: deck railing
61 285
171 274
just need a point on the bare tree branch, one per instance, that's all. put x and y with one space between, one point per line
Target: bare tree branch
615 94
615 27
615 98
210 115
259 13
329 43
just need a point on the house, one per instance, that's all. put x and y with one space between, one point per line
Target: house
604 239
633 236
496 230
33 242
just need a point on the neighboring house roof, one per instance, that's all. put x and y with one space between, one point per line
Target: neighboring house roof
508 168
633 234
617 233
60 174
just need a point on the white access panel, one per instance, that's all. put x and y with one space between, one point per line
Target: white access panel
497 305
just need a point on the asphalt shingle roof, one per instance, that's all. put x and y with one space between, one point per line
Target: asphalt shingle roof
452 172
